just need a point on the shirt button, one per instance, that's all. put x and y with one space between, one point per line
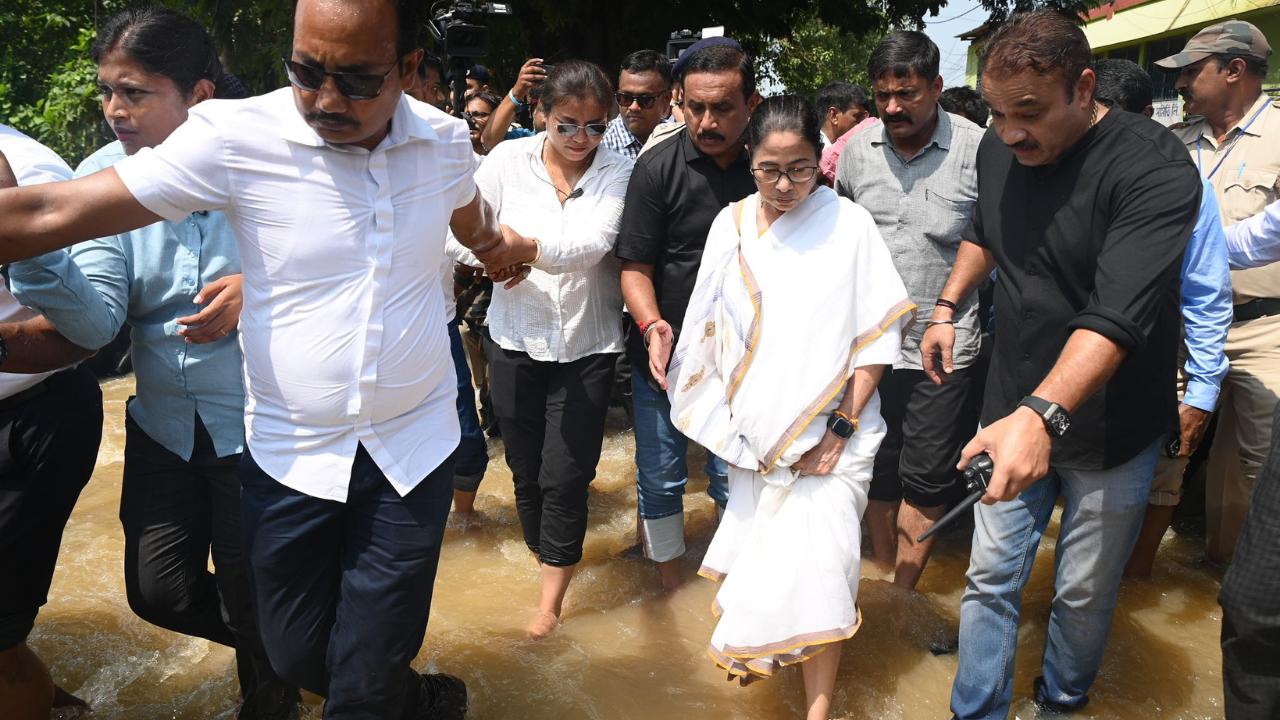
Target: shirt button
1028 315
1031 270
1026 356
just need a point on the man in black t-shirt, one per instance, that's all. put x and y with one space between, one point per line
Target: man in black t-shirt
1086 214
676 191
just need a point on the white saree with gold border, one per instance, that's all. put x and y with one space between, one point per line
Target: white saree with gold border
775 327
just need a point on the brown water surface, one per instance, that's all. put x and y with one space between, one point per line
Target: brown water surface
625 650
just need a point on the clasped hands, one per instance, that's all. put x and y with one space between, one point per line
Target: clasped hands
507 260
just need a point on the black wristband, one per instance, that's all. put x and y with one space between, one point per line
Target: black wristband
947 304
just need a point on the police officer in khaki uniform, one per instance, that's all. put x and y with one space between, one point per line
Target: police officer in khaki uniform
1236 145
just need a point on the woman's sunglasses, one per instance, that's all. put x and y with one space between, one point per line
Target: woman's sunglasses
593 130
353 85
644 101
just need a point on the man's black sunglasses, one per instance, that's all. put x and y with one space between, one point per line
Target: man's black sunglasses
355 86
644 101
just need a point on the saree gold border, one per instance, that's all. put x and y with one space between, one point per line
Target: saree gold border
796 642
753 332
829 392
743 665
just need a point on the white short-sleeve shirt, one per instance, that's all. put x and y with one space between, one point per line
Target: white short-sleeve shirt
32 164
343 326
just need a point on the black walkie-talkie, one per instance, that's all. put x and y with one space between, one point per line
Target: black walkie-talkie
977 476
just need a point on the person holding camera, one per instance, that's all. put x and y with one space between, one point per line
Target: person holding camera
500 124
1073 211
554 326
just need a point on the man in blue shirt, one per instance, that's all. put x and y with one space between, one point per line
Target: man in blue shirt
1206 316
644 94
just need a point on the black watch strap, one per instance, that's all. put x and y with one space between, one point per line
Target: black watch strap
4 349
1055 417
842 428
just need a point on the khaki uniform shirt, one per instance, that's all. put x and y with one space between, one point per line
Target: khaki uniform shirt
1247 180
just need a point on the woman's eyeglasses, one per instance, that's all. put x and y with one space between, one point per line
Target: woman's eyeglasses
644 101
769 176
355 86
593 130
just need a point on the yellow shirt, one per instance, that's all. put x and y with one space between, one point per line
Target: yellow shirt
1247 179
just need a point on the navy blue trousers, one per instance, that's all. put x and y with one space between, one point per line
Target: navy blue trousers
343 590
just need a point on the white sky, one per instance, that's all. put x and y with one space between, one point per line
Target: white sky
957 17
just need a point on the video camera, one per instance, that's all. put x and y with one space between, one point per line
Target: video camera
458 31
463 39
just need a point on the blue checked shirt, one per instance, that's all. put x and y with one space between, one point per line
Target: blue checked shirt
149 278
620 139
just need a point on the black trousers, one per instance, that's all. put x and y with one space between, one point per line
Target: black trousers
343 589
928 426
48 447
1250 600
175 514
552 417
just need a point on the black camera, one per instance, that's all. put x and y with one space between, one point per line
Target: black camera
457 29
680 41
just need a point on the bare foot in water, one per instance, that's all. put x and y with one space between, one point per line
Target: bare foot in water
542 625
68 707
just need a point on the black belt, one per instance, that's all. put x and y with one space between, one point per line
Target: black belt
1254 309
23 396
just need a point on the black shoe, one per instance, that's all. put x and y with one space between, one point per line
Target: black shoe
494 430
1050 709
950 646
441 697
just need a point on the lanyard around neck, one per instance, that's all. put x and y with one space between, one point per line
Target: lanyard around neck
1234 142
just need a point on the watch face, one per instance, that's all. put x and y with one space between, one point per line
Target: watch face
1059 422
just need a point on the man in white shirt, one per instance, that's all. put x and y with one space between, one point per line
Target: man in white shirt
339 193
51 423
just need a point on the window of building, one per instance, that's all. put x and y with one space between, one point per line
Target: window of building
1162 83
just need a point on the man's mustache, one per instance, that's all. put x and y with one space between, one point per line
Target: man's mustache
1025 145
331 119
710 136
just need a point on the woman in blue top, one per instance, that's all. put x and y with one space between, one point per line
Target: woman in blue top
180 496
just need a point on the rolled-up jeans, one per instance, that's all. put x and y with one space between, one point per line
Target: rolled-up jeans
473 452
1101 516
662 472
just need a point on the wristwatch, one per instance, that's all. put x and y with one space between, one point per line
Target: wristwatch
1056 419
842 426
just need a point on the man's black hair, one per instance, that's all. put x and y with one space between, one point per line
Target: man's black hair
901 52
643 61
1255 66
966 101
488 98
719 59
1122 83
841 96
431 61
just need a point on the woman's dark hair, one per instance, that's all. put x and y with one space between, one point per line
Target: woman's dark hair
164 42
576 80
785 113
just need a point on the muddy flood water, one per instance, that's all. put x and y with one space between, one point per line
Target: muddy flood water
625 650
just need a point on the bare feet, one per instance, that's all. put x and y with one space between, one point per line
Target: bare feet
670 573
542 625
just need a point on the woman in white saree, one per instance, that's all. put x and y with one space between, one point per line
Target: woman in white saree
796 312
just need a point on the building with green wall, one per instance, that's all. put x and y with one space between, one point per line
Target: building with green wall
1145 31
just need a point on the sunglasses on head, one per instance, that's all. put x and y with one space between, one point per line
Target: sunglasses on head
593 130
644 101
355 86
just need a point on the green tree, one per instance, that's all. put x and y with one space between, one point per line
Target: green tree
815 53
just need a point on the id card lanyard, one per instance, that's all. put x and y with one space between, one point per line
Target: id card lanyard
1234 142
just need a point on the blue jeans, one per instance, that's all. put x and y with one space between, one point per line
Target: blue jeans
473 452
662 472
1101 517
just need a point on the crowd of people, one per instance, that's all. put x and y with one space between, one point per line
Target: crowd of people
335 290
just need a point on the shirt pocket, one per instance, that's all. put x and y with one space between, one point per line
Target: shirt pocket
946 218
1248 192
